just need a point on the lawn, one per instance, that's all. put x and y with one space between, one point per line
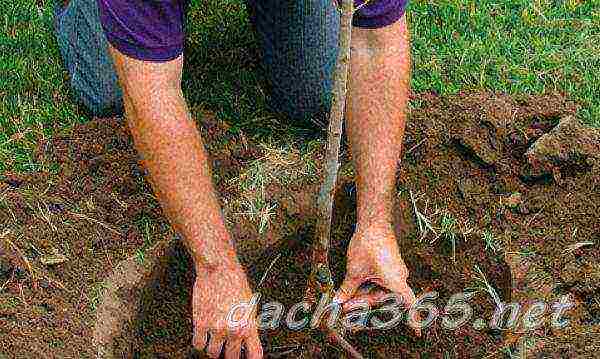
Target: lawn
487 211
462 45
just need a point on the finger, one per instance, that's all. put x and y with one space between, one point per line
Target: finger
346 290
373 298
233 348
215 346
409 298
253 347
199 339
407 295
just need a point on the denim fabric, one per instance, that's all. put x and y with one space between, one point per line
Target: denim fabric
297 40
84 50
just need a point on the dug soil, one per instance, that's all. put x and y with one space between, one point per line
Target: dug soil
510 187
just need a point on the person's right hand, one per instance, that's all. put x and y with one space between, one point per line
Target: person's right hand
216 292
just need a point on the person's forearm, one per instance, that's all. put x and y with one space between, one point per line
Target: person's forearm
377 99
172 151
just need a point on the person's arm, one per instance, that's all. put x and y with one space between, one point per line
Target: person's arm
171 149
377 99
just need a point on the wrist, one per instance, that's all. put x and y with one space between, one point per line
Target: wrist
213 252
376 212
374 224
374 234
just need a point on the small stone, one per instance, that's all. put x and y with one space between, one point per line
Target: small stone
13 181
479 324
55 207
19 273
53 259
513 201
44 284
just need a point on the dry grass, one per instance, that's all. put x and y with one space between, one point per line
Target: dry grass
424 224
278 166
482 285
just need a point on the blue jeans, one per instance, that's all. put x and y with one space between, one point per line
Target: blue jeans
297 40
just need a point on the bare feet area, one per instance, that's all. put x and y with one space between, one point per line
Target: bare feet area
493 192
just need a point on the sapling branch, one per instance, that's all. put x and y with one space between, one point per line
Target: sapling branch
320 280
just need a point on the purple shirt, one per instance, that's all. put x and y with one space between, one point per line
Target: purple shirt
152 30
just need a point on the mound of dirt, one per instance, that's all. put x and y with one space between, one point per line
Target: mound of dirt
509 187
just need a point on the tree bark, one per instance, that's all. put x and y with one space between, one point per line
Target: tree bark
331 166
321 280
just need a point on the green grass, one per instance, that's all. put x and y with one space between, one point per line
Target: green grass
519 46
491 244
448 231
34 94
462 45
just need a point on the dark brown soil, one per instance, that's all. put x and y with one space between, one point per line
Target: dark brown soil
494 163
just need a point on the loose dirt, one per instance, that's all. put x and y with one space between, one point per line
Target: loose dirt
510 186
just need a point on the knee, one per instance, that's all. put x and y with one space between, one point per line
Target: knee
99 104
84 51
96 90
304 104
301 93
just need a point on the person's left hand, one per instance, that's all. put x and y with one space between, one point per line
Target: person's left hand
374 257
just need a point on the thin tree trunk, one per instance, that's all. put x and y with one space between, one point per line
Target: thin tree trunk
320 281
325 200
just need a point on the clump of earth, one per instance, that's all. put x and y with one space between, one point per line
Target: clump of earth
508 185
